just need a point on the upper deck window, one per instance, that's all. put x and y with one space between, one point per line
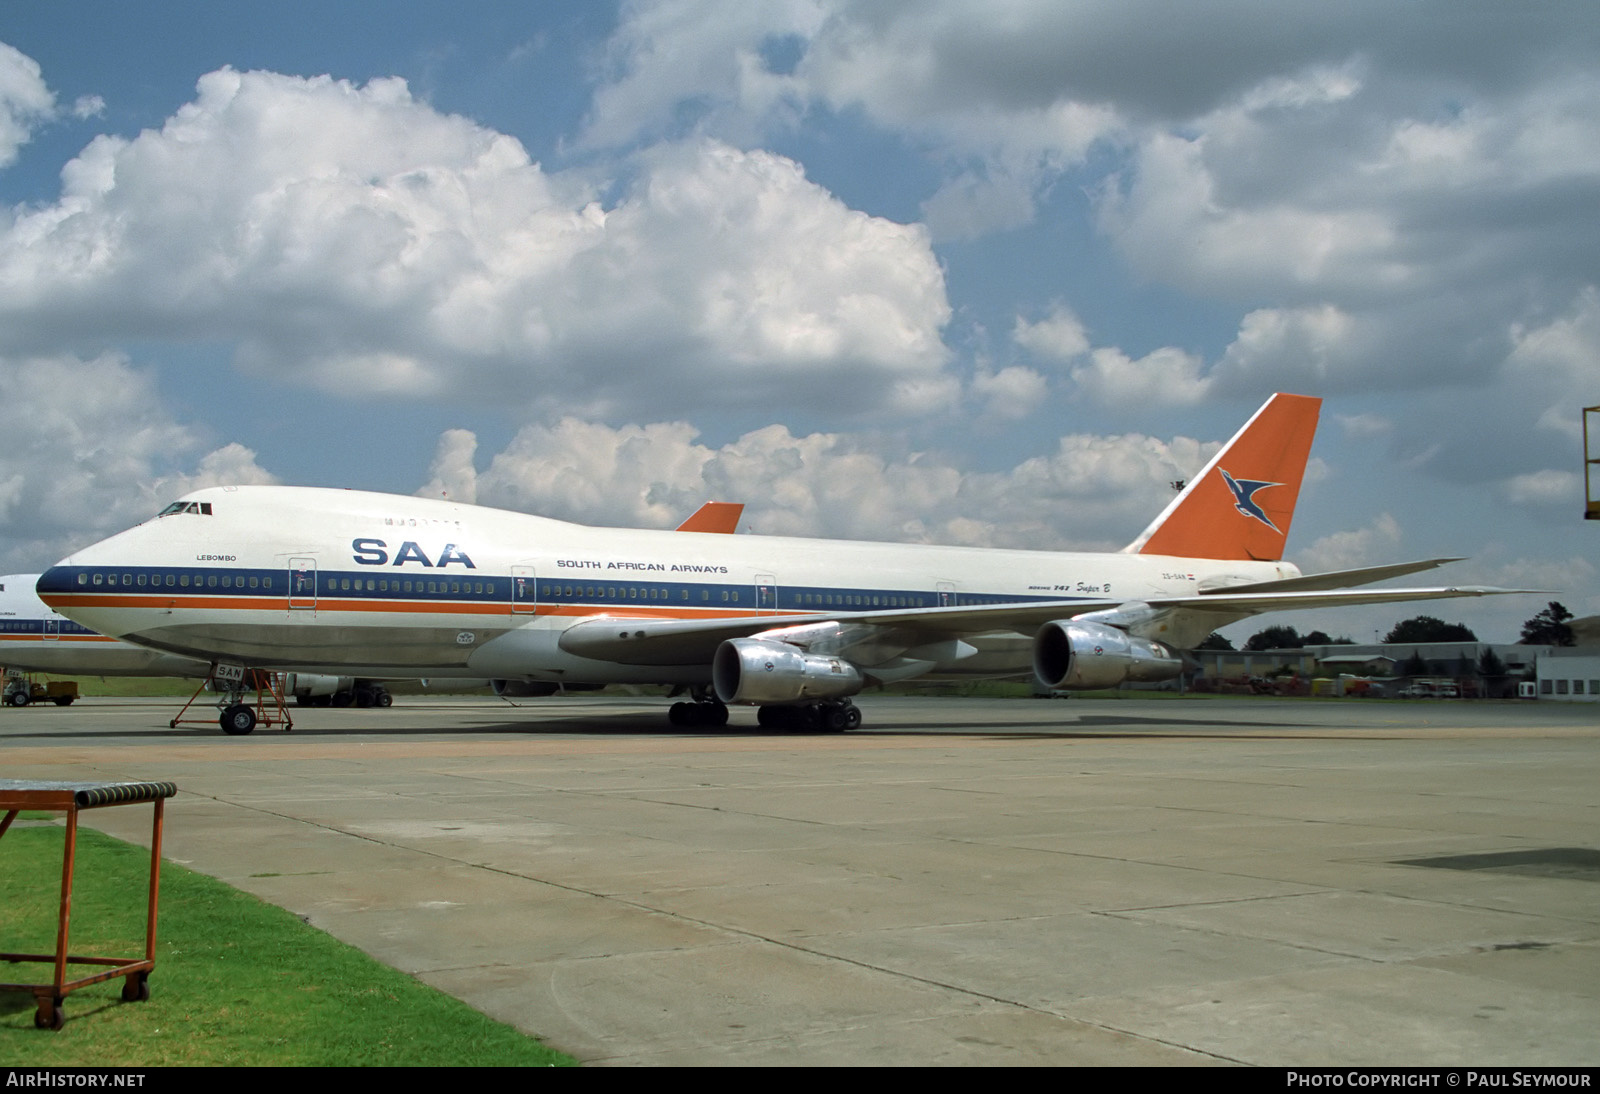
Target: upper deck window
200 508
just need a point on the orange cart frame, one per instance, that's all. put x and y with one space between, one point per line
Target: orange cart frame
71 798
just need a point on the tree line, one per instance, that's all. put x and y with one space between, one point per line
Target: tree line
1548 628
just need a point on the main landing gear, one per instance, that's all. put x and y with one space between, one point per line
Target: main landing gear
829 716
704 711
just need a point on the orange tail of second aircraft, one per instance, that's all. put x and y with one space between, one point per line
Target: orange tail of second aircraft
1240 506
715 516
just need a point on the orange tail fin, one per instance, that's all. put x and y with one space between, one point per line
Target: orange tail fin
1240 506
715 516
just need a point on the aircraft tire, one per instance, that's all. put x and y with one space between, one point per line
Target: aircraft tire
238 720
383 698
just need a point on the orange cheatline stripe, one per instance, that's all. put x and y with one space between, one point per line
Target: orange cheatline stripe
407 607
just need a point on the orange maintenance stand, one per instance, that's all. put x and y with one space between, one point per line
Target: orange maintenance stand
71 798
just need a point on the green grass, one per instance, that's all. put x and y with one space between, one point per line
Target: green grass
237 981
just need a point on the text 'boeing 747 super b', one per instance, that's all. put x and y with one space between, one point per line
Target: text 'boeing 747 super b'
360 584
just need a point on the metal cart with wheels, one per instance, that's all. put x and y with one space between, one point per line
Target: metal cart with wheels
71 798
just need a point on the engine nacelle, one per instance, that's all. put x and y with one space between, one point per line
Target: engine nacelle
1072 655
523 689
314 685
749 670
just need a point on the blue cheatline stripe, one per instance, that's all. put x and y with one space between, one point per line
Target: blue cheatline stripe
273 586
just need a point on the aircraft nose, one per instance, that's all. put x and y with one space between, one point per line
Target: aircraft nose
55 581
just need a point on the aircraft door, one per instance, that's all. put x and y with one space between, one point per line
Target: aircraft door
303 584
52 629
524 591
766 591
947 594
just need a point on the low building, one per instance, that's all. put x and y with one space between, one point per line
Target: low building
1569 675
1436 668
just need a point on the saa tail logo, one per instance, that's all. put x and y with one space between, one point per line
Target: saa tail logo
1244 493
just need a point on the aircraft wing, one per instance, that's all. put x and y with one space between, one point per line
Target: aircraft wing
652 641
1336 579
1249 603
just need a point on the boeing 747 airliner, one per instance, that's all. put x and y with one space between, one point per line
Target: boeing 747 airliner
360 584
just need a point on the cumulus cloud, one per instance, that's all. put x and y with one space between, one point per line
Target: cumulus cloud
351 236
1013 392
1373 545
1059 336
88 450
1164 376
1388 191
25 101
1549 487
1093 492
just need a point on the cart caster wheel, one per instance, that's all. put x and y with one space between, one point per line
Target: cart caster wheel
136 989
55 1018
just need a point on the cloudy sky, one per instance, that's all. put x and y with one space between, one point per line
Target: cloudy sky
949 272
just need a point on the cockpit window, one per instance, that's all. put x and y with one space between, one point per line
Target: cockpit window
200 508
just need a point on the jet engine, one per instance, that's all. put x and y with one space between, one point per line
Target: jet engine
749 670
1069 654
316 689
523 689
316 685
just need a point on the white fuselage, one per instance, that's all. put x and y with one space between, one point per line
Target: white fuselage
348 582
33 638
